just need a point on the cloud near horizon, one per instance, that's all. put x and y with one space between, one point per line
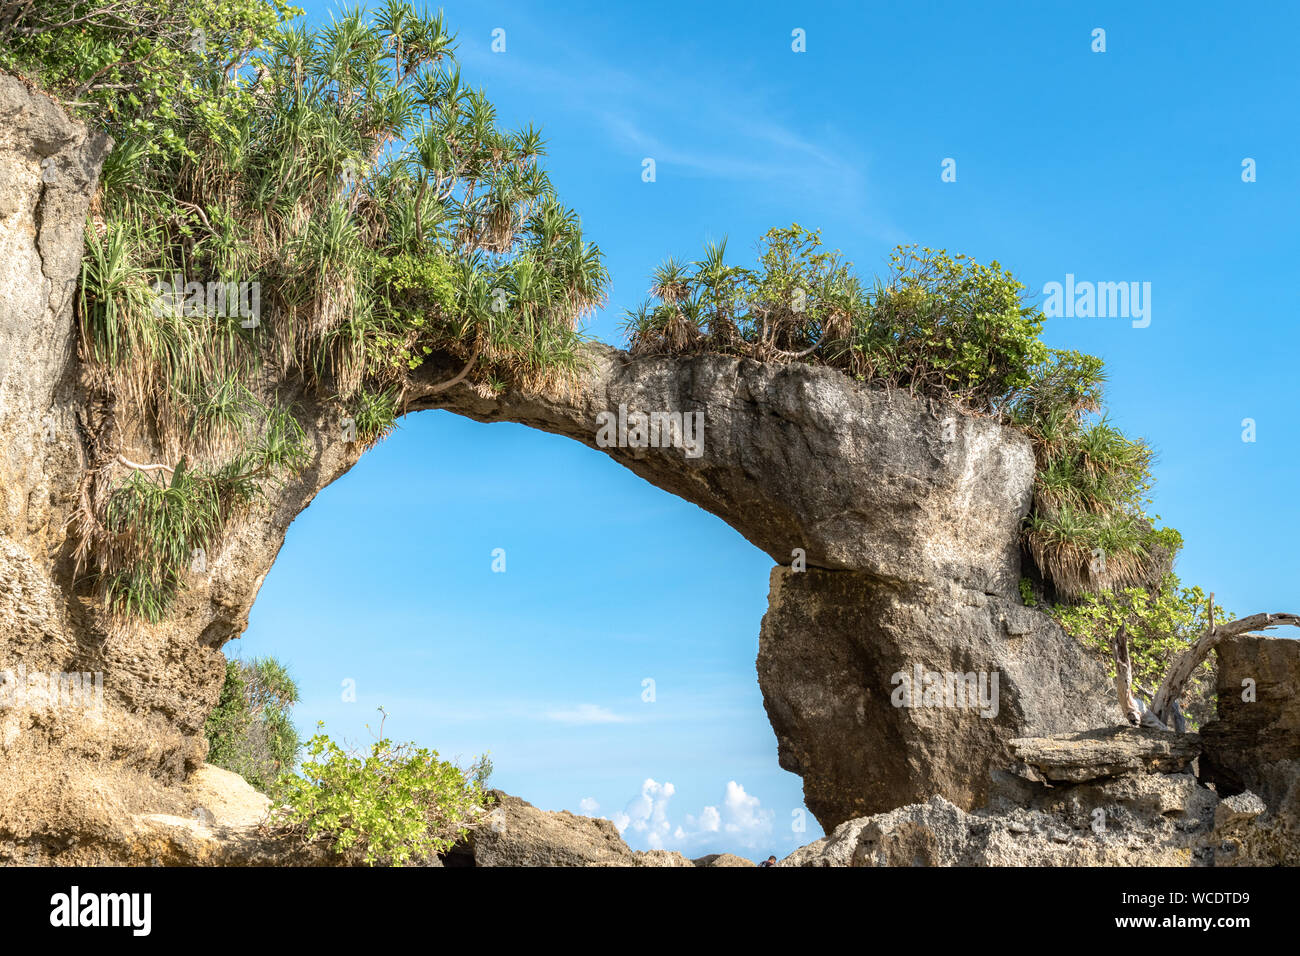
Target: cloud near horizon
740 820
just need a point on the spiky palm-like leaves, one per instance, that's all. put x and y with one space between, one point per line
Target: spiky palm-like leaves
385 218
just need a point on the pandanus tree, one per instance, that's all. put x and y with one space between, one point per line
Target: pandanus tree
352 177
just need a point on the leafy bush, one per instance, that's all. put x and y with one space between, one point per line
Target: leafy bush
394 805
1089 530
1160 623
941 325
144 70
156 521
250 731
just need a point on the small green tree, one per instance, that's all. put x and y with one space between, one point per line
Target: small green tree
1160 623
250 731
396 804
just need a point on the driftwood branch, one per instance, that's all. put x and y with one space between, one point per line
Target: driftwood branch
1164 706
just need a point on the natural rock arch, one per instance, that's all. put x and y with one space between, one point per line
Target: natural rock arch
908 515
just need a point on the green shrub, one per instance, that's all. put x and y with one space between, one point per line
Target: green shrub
1027 596
250 731
396 804
145 70
940 325
155 524
1160 623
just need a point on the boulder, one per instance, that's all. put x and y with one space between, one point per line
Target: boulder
836 648
722 859
515 833
1139 817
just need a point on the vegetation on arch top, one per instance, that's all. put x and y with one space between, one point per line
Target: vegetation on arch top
356 192
945 327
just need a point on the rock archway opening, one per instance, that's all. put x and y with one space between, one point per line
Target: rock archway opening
498 589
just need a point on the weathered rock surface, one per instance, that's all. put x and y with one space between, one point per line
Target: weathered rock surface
1114 817
722 859
1091 754
831 651
1254 744
515 833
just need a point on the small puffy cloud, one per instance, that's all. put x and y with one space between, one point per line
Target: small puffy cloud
709 821
586 714
647 813
739 821
588 806
742 813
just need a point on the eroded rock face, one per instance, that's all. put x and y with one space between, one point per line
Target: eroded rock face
1107 752
835 650
515 833
1124 811
1255 743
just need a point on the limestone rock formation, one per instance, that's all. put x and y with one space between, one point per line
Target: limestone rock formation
1254 745
1093 754
906 514
835 648
1124 810
722 859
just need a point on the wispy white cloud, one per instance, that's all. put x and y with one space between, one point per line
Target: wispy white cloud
721 129
586 714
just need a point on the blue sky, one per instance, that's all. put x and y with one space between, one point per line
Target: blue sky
1117 166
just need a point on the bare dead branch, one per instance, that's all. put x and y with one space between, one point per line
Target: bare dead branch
1164 704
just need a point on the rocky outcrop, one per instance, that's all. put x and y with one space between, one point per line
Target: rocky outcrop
1254 745
515 833
1123 810
836 649
1109 752
722 859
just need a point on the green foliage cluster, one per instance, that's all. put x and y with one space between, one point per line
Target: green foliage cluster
394 805
157 526
351 174
1160 623
250 731
143 70
944 327
1089 530
940 325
